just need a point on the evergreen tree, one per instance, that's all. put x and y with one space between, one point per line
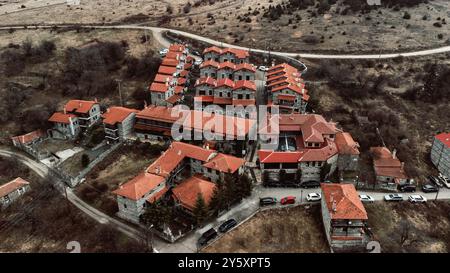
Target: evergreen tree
85 160
245 186
200 210
324 171
156 215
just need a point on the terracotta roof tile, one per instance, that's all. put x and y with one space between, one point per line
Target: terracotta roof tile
79 106
245 66
59 117
170 62
342 201
167 70
139 186
244 102
225 82
13 185
160 78
250 85
225 163
117 114
444 138
188 191
159 87
226 65
27 138
209 63
208 81
346 144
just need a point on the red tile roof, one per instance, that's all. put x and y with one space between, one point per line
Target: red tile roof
386 164
139 186
173 156
181 81
219 100
156 196
59 117
444 138
212 49
210 63
27 138
225 82
159 87
204 98
173 99
250 85
13 185
159 113
178 89
160 78
286 97
239 53
208 81
342 201
225 163
188 191
346 144
266 156
226 65
167 70
170 62
184 73
245 66
173 55
177 48
117 114
79 106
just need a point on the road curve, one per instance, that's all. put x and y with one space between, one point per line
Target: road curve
157 33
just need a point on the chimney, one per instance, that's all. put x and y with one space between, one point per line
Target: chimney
394 154
179 152
145 104
333 206
95 99
157 170
403 165
65 112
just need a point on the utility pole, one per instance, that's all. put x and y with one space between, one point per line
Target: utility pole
437 193
119 81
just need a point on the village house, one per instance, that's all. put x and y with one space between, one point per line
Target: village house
118 123
344 217
286 88
234 136
440 153
28 139
170 83
348 150
233 55
76 116
12 190
389 170
306 150
185 170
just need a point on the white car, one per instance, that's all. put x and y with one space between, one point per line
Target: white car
366 198
163 51
311 197
263 68
393 197
198 62
417 199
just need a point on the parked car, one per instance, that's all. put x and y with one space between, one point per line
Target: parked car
445 181
311 197
310 184
163 51
435 180
198 62
287 200
417 199
393 197
429 188
366 198
226 226
263 68
266 201
407 188
196 53
207 236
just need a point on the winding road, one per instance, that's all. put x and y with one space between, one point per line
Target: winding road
157 34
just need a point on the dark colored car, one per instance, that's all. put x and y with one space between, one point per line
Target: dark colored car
266 201
407 188
429 188
207 236
310 184
435 181
287 200
229 224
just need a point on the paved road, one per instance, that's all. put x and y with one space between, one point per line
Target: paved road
157 33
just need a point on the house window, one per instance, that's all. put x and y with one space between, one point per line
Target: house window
239 96
7 199
124 206
247 77
240 77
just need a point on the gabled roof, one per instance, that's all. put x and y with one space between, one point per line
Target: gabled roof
170 62
225 163
212 49
245 66
160 78
159 87
188 191
59 117
177 48
206 81
239 53
444 138
26 138
228 65
117 114
159 113
387 164
250 85
346 144
139 186
210 63
204 98
167 70
155 197
225 82
13 185
174 98
342 201
173 55
220 100
79 106
286 97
